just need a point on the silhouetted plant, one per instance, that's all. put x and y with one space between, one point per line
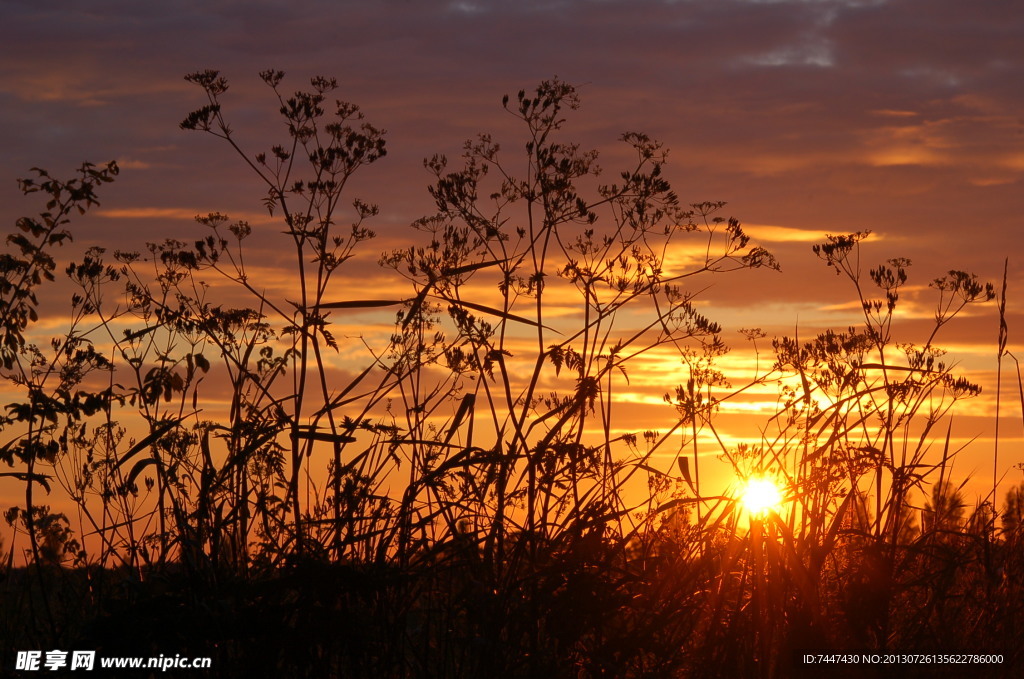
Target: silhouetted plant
51 382
475 501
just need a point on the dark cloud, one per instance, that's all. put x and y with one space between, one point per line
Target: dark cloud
831 115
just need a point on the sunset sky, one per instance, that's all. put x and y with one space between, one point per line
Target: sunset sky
905 117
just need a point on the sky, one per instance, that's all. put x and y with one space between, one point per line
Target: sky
905 117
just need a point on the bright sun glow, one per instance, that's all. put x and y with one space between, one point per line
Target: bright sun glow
760 495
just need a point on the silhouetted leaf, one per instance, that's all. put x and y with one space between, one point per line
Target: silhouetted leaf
41 479
414 309
496 312
466 268
135 334
339 400
464 407
158 431
137 469
684 469
651 470
312 435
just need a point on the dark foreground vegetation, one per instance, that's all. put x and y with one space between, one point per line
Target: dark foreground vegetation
467 496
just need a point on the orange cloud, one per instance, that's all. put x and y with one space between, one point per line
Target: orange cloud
783 234
188 214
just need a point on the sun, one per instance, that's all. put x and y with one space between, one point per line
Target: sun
760 495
